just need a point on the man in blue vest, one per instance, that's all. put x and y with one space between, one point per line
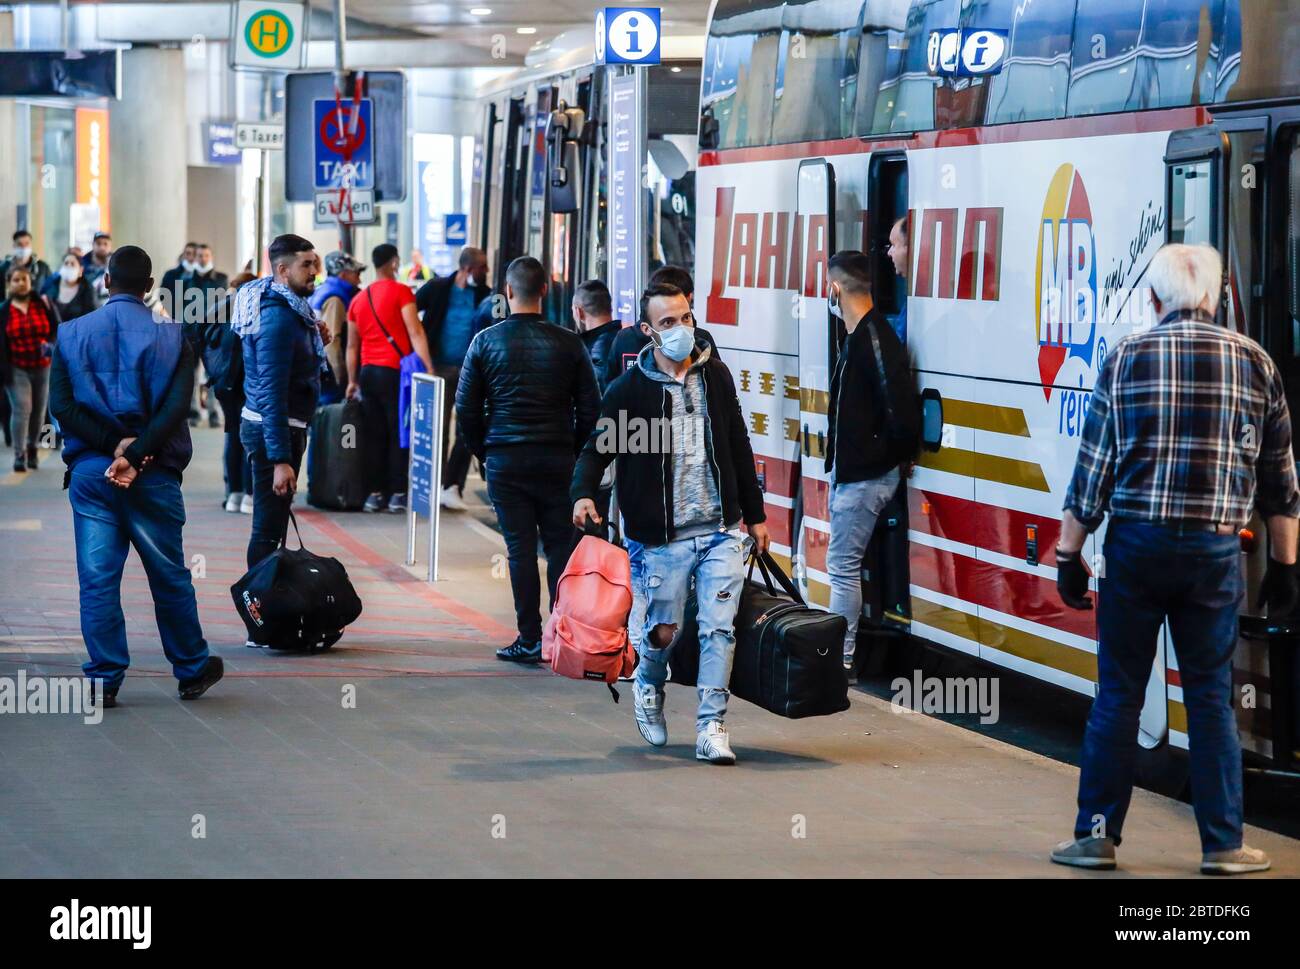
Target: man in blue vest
120 389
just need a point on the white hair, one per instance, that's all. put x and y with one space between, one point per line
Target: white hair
1186 277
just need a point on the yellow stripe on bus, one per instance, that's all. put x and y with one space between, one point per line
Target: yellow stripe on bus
1006 639
985 417
987 467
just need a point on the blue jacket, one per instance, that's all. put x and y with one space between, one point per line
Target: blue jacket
333 286
281 374
121 359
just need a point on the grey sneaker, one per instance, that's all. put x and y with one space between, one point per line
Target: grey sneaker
1096 853
713 745
648 707
1240 862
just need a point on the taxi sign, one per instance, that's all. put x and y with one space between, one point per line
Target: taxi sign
627 35
267 34
344 146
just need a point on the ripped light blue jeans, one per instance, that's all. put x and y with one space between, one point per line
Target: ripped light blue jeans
661 578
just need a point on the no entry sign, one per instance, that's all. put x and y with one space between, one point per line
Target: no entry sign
344 147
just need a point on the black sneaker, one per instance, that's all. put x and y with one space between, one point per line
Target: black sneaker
109 698
195 688
33 462
20 462
521 652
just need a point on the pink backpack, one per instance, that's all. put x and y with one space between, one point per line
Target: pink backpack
586 635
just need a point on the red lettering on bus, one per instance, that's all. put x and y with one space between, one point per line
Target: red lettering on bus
989 256
719 309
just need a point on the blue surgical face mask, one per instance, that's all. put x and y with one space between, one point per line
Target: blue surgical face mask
676 342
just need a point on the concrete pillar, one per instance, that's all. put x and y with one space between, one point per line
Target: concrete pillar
12 150
148 173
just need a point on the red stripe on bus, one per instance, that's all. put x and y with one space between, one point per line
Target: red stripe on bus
993 586
1138 122
984 526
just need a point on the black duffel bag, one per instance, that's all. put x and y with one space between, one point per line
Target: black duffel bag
294 599
789 658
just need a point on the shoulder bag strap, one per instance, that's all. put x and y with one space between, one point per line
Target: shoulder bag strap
387 336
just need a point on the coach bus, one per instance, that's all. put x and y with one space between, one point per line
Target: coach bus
540 183
1039 152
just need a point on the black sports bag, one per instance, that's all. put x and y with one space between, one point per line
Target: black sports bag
293 599
789 658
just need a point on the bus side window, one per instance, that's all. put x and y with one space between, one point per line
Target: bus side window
1035 75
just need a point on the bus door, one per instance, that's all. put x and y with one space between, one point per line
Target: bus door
819 332
886 581
1218 183
513 176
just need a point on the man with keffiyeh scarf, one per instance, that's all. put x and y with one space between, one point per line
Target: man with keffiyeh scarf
284 354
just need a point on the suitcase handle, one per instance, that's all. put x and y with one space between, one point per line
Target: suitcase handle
770 569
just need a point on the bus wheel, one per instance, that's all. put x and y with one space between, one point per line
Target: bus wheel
1163 769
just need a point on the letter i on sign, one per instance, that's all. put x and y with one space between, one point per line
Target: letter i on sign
632 46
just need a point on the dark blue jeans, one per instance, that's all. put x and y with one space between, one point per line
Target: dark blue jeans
270 511
1193 579
107 522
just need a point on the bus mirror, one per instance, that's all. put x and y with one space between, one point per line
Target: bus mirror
563 161
931 419
709 130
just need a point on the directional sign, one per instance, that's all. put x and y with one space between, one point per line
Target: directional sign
220 139
268 137
344 148
627 35
455 229
267 35
359 208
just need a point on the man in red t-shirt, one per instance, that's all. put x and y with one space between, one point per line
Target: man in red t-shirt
383 327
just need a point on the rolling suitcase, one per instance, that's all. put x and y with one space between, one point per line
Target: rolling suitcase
337 472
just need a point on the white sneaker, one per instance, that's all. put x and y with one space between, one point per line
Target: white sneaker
648 708
451 499
234 501
713 744
1239 862
246 505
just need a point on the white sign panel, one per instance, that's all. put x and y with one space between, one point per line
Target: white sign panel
360 207
268 137
267 35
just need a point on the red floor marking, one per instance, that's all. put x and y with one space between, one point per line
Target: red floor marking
396 573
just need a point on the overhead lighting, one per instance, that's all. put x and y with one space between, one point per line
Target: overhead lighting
480 11
525 30
675 69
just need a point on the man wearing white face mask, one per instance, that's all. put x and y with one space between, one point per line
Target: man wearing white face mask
686 482
24 257
874 427
172 288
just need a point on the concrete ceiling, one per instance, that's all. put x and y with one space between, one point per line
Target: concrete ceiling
514 26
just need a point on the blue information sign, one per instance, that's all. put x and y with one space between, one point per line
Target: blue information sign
627 35
344 149
424 396
624 184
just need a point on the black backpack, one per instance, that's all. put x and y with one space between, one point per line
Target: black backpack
293 599
222 353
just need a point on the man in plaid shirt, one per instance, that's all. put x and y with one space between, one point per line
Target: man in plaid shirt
1188 429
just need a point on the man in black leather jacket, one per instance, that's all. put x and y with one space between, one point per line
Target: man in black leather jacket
526 404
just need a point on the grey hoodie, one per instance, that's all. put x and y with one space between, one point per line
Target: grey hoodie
697 509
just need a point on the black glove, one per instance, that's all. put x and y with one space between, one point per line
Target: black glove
1279 590
1072 580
